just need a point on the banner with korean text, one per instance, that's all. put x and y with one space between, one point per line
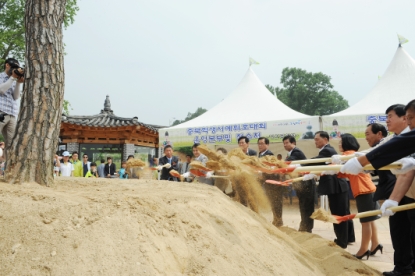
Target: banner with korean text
353 124
229 134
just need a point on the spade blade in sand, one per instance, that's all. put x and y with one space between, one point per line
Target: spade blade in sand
405 207
196 172
174 173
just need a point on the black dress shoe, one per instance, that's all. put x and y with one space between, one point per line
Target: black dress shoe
397 273
367 253
339 244
379 247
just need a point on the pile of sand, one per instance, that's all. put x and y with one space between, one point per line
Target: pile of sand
143 227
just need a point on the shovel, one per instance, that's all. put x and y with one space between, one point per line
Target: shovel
318 160
198 173
155 168
405 207
395 165
287 182
175 173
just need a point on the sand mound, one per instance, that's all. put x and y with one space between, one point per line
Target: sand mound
143 227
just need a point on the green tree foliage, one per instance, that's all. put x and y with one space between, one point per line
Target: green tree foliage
308 93
66 107
12 30
190 116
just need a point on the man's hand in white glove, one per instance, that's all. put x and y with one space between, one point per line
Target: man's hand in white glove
328 172
186 174
309 176
159 167
336 159
167 166
408 164
388 203
352 167
209 174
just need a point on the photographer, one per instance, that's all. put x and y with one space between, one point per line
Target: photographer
10 81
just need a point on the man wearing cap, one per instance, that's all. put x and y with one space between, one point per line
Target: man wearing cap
66 167
9 94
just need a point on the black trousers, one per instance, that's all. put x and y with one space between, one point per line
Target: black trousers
339 205
402 238
305 191
275 195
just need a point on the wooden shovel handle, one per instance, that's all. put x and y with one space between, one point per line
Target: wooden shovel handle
321 168
393 209
319 160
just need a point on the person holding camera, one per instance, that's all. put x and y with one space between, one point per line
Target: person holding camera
10 82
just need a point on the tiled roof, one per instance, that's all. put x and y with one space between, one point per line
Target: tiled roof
105 119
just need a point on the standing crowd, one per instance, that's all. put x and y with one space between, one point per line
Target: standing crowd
395 187
69 165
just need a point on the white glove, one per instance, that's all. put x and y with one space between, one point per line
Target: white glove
159 167
328 172
335 159
388 203
358 154
294 165
309 176
186 174
352 167
167 166
209 174
408 164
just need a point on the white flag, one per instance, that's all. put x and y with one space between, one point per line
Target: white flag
252 61
402 40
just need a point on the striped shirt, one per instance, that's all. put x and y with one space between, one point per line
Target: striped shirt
7 103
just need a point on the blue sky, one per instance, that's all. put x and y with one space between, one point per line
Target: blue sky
159 60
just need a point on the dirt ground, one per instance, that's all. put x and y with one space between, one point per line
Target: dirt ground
144 227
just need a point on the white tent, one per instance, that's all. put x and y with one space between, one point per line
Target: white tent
251 101
249 110
397 85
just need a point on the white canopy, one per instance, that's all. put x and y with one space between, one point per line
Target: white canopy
397 85
251 101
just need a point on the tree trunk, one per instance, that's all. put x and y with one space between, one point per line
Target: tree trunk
30 157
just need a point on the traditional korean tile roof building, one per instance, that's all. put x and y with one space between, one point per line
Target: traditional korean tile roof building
106 134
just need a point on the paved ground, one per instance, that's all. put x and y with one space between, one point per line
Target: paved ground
381 262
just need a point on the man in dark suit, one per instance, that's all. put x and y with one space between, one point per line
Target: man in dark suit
401 224
399 147
263 145
274 192
243 143
109 169
305 190
168 158
337 190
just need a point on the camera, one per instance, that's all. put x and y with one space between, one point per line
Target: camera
2 117
15 69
